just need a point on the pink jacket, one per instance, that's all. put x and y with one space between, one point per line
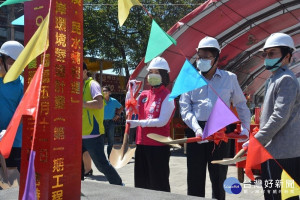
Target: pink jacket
149 106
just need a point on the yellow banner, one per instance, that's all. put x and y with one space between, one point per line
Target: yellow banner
34 47
124 7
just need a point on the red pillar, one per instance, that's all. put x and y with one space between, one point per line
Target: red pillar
58 138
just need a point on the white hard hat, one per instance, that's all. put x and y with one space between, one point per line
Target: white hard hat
159 63
209 42
279 40
11 49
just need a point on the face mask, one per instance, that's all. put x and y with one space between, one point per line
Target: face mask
204 65
154 79
270 62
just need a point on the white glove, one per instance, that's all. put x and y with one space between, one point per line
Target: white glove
245 144
200 134
133 87
2 133
133 123
244 132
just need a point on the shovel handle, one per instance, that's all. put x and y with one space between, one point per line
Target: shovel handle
240 153
127 128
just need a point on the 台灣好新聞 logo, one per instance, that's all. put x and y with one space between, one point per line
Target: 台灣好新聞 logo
232 186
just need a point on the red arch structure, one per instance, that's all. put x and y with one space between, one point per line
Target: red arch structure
241 27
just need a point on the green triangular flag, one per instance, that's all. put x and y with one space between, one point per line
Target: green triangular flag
8 2
158 42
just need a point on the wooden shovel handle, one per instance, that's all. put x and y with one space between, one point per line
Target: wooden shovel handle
127 128
240 153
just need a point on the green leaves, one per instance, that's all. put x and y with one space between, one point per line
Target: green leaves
126 45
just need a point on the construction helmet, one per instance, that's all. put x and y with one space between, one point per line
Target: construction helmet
209 42
279 40
11 49
159 63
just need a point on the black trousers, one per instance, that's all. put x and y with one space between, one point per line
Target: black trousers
14 159
271 174
198 157
151 167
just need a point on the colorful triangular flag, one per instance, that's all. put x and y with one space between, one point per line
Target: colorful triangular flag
27 106
158 42
220 117
19 21
188 79
9 2
34 47
289 187
124 7
256 155
30 186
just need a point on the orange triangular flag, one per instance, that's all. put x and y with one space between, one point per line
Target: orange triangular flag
27 106
256 155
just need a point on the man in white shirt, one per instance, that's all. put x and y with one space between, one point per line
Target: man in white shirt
196 107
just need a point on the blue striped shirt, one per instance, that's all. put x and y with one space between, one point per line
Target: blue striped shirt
197 105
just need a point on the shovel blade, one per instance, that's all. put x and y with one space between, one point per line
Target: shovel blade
166 140
228 161
118 159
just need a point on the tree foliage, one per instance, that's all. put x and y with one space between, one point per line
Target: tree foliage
126 45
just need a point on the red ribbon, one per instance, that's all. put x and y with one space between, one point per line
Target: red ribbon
131 103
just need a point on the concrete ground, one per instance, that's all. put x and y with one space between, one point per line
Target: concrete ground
178 174
97 187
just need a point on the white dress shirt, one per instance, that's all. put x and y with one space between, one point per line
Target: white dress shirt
197 105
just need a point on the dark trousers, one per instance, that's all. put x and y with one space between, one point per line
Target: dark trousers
95 147
151 167
271 174
109 126
14 159
198 157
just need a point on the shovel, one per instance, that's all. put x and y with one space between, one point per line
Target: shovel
119 157
170 141
228 161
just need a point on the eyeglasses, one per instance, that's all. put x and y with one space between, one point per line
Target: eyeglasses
105 91
270 54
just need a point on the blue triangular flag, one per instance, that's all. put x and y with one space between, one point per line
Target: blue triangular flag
18 21
188 79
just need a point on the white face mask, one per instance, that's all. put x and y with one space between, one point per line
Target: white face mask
204 65
154 79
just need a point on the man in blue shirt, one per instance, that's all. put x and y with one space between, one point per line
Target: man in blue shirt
112 112
10 96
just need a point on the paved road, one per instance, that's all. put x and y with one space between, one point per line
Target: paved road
178 173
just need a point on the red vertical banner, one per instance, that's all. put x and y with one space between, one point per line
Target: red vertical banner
59 125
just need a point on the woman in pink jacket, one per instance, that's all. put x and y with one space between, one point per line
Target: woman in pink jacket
151 169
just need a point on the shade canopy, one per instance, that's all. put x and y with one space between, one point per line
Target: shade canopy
96 64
